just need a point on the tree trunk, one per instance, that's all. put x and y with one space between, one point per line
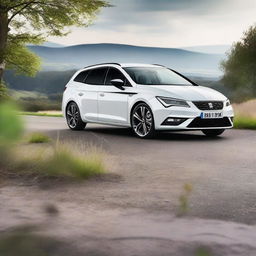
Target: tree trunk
3 41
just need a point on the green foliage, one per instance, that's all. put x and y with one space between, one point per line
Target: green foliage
31 22
38 138
52 16
241 122
3 92
20 59
11 125
240 67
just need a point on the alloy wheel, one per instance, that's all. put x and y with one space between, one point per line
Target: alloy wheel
72 115
142 120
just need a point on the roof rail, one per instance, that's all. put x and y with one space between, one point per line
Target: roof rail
159 65
110 63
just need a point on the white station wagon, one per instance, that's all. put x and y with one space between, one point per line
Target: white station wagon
147 98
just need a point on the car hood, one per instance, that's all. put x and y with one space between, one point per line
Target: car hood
191 93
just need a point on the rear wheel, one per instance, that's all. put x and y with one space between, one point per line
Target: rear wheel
142 121
73 117
213 132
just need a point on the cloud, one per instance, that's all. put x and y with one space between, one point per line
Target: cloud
168 23
190 6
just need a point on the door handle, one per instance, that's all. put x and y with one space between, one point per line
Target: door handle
80 94
102 94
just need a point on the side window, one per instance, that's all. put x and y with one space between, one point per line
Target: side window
96 76
114 73
81 76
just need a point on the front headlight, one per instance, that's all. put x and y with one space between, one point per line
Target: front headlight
170 102
228 103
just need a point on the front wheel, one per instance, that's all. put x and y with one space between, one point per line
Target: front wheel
73 117
213 132
142 121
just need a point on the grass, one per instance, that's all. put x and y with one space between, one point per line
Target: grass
40 114
57 161
243 122
65 163
50 160
38 138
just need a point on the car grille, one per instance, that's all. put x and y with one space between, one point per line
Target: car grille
203 123
209 105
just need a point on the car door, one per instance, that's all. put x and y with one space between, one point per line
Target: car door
88 92
112 101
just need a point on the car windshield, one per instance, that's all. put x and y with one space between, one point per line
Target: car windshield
155 76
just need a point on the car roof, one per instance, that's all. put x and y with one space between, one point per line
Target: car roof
123 65
126 65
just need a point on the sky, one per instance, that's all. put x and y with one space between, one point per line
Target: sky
167 23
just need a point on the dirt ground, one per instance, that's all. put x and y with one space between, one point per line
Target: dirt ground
87 227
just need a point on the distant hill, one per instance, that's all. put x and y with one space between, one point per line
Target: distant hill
210 49
51 44
59 63
77 56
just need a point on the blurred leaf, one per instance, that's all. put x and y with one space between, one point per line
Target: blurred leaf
11 124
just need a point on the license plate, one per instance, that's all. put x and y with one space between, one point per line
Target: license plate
211 115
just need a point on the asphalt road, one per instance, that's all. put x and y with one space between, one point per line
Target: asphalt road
133 209
152 173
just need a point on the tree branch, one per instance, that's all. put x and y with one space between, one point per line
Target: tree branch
27 4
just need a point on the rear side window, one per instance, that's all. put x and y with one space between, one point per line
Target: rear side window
81 76
96 76
114 73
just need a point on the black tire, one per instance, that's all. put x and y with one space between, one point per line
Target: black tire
213 132
142 121
73 117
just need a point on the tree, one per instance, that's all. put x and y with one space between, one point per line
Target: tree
240 66
25 22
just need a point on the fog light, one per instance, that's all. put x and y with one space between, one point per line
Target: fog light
174 121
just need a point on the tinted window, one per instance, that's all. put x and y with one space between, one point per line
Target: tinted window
114 73
81 76
96 76
156 76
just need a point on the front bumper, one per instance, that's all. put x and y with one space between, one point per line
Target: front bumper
192 117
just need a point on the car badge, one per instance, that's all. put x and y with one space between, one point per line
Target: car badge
210 105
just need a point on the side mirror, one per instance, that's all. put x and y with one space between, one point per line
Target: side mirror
119 83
